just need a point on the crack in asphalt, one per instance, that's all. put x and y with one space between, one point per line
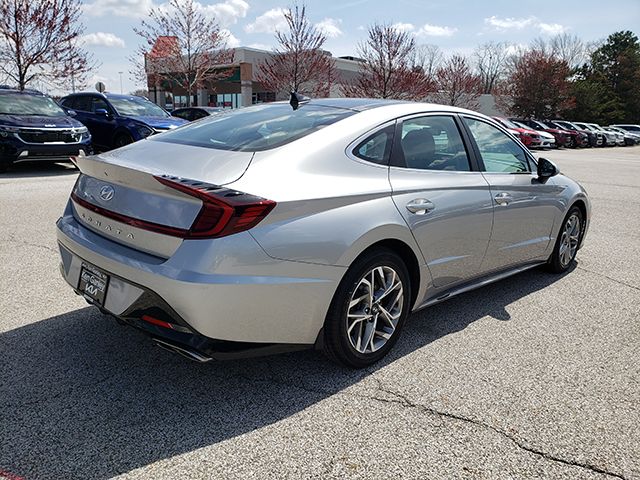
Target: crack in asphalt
399 399
28 244
404 400
620 282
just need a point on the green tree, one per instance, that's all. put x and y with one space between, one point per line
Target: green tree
613 75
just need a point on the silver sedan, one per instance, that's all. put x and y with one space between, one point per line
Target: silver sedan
325 223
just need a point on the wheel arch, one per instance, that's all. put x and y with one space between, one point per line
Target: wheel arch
580 203
408 256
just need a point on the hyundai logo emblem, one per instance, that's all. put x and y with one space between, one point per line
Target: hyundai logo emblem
106 193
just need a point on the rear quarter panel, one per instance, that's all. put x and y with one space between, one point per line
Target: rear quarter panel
330 207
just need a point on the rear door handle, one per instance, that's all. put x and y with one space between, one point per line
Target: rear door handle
503 198
420 206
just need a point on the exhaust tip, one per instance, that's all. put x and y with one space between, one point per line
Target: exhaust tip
182 351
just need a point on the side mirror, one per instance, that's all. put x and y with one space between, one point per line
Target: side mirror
102 112
547 169
71 113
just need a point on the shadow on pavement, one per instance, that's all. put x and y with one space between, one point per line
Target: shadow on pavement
39 169
83 397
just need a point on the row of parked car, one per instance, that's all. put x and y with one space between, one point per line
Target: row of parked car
562 133
34 127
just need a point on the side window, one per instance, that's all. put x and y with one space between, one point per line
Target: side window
67 103
377 147
499 152
98 103
184 114
433 143
197 114
82 104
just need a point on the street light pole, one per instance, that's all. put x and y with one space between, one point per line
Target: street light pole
120 73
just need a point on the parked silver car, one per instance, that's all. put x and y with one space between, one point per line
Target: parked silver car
271 228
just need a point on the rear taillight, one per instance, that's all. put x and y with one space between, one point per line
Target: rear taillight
224 211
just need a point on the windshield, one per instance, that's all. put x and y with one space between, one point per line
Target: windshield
136 107
255 128
508 123
25 104
522 125
542 126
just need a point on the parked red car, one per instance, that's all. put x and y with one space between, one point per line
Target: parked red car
564 138
530 138
581 139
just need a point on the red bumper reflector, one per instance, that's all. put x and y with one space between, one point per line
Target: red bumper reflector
155 321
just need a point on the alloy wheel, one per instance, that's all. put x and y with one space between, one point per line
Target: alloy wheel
375 309
569 240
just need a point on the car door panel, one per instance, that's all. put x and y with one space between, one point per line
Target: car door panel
454 227
453 236
524 207
522 228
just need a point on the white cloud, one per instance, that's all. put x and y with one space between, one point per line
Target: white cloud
228 12
330 27
404 27
551 28
102 39
428 30
504 24
268 22
119 8
509 23
232 40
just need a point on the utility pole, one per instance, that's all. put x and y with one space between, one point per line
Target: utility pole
120 73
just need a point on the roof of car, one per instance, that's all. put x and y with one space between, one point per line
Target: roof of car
357 104
5 90
105 94
196 107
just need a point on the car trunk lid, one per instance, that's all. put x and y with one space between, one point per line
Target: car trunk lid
130 196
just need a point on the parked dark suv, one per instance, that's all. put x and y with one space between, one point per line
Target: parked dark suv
117 120
34 127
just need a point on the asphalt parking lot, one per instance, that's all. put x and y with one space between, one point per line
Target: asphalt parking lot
533 377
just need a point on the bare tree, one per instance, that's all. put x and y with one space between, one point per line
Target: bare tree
490 61
298 63
182 46
564 46
457 84
428 57
141 92
388 69
39 40
569 48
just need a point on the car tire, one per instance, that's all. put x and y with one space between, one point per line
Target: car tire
122 139
567 243
359 334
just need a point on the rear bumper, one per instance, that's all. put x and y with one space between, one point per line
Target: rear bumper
227 289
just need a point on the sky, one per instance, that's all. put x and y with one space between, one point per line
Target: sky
454 25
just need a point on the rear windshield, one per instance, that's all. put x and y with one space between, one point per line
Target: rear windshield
257 128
